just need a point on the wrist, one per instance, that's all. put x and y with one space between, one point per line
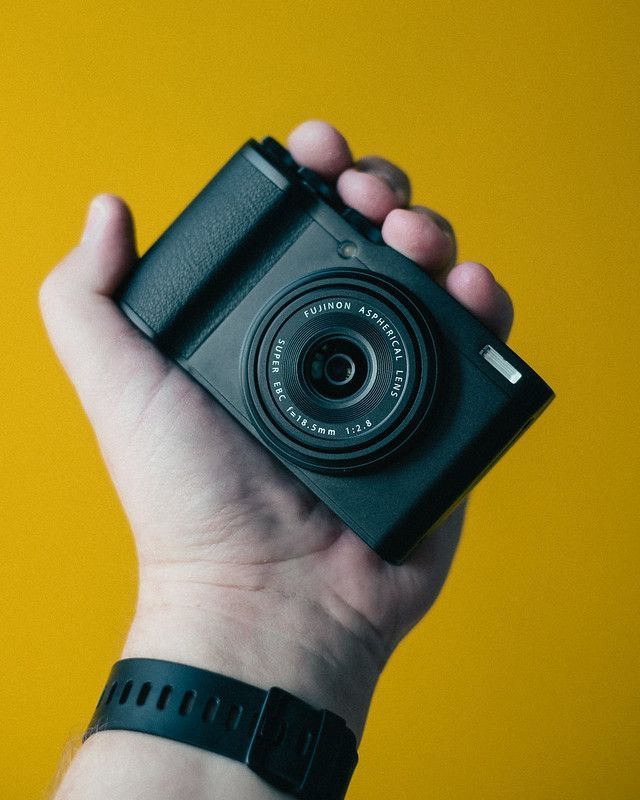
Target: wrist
262 641
260 637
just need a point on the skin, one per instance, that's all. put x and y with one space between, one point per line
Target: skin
242 570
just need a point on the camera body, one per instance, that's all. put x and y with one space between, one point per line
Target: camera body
376 389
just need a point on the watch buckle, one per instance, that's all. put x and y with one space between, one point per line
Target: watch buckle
298 749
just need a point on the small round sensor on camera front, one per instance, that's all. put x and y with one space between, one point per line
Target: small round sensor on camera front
347 249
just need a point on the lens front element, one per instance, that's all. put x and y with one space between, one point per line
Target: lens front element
336 367
339 370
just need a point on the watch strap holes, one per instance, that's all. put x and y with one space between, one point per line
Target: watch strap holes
112 691
126 691
164 697
233 717
210 709
143 693
187 703
280 737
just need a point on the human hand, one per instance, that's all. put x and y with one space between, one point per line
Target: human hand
242 569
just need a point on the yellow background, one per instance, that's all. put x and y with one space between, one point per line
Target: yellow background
517 120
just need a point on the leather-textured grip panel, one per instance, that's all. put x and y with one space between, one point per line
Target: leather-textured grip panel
212 255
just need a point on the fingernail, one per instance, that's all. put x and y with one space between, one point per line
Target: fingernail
387 172
96 221
442 222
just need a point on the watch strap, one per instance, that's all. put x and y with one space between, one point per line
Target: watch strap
306 752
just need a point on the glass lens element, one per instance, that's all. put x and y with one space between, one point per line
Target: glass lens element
336 367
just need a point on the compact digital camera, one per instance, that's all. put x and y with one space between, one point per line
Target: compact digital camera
376 389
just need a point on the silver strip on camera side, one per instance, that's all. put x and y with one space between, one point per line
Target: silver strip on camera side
502 365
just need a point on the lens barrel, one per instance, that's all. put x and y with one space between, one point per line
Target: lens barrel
339 370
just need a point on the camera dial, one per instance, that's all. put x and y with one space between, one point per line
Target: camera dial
339 370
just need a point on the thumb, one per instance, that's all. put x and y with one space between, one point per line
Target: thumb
108 240
99 348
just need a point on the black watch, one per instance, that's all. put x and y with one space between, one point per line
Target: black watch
298 749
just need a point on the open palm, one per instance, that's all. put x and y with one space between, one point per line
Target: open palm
207 503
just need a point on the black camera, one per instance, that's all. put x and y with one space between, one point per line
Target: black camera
378 390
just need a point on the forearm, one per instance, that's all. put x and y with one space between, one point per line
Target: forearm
279 643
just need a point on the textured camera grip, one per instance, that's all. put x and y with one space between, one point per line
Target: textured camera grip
221 245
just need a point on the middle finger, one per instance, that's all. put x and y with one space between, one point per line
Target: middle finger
374 187
423 236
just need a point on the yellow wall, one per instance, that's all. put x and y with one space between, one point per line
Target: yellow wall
520 122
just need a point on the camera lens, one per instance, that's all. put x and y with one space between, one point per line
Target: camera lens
339 370
335 367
